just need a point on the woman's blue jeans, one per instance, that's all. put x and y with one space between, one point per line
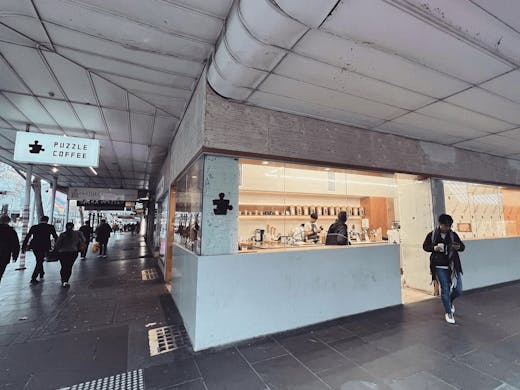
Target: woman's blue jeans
447 295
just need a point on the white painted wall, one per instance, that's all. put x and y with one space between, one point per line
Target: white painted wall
489 262
184 286
249 295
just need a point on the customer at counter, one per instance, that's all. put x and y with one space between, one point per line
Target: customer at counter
338 231
310 230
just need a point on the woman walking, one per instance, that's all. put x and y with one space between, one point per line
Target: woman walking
68 245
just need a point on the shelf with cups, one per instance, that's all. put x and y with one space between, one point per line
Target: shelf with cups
251 211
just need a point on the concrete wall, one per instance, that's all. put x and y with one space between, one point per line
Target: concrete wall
188 141
248 295
248 130
489 262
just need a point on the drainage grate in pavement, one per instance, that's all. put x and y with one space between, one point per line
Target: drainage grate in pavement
166 339
149 274
132 380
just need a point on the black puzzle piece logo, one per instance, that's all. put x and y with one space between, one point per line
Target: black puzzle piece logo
222 205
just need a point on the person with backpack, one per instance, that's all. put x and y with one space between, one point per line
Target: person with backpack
40 245
68 245
445 266
9 243
338 231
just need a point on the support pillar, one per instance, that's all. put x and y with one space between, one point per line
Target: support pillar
438 199
66 214
53 198
25 215
220 231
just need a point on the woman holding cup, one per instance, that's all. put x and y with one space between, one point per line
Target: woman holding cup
445 266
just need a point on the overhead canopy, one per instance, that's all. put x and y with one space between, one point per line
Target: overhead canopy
121 71
437 70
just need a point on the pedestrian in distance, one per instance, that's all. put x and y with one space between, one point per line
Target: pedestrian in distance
40 244
9 243
68 245
102 236
445 266
87 232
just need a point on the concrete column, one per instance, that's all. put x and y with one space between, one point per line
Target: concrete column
220 232
438 199
53 198
66 214
25 216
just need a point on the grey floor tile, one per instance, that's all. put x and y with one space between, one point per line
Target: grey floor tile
262 349
172 373
461 376
420 381
351 377
332 334
286 373
488 362
192 385
227 370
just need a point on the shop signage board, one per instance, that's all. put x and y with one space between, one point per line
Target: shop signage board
103 204
37 148
89 193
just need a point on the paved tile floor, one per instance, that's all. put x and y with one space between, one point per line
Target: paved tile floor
52 338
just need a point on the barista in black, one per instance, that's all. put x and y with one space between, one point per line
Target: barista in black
40 244
338 231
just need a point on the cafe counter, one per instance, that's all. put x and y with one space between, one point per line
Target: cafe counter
229 298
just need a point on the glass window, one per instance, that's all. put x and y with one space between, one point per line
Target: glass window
483 211
290 205
188 208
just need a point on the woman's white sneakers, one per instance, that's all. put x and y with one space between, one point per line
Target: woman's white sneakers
65 285
452 308
449 318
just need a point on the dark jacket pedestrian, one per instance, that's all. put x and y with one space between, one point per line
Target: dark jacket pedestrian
338 231
68 246
40 244
102 235
9 243
445 266
87 232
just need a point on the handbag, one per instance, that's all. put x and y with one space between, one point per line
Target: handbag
52 256
95 247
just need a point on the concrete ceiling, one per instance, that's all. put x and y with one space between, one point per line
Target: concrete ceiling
437 70
121 71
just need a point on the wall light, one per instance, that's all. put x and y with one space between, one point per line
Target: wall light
54 169
92 170
265 162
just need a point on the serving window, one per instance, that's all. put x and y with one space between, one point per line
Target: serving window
276 201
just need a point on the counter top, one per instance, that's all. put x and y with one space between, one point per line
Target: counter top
308 246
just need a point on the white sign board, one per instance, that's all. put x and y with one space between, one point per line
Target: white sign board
86 193
37 148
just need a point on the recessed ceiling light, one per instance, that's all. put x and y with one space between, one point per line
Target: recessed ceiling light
265 162
194 177
54 169
327 169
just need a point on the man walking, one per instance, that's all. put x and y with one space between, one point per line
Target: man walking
87 231
102 236
445 266
40 244
9 244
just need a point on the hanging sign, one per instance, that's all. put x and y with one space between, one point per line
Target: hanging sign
89 194
40 148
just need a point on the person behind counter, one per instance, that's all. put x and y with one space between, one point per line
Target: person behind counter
310 230
338 231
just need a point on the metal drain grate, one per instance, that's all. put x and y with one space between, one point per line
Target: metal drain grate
166 339
149 274
132 380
